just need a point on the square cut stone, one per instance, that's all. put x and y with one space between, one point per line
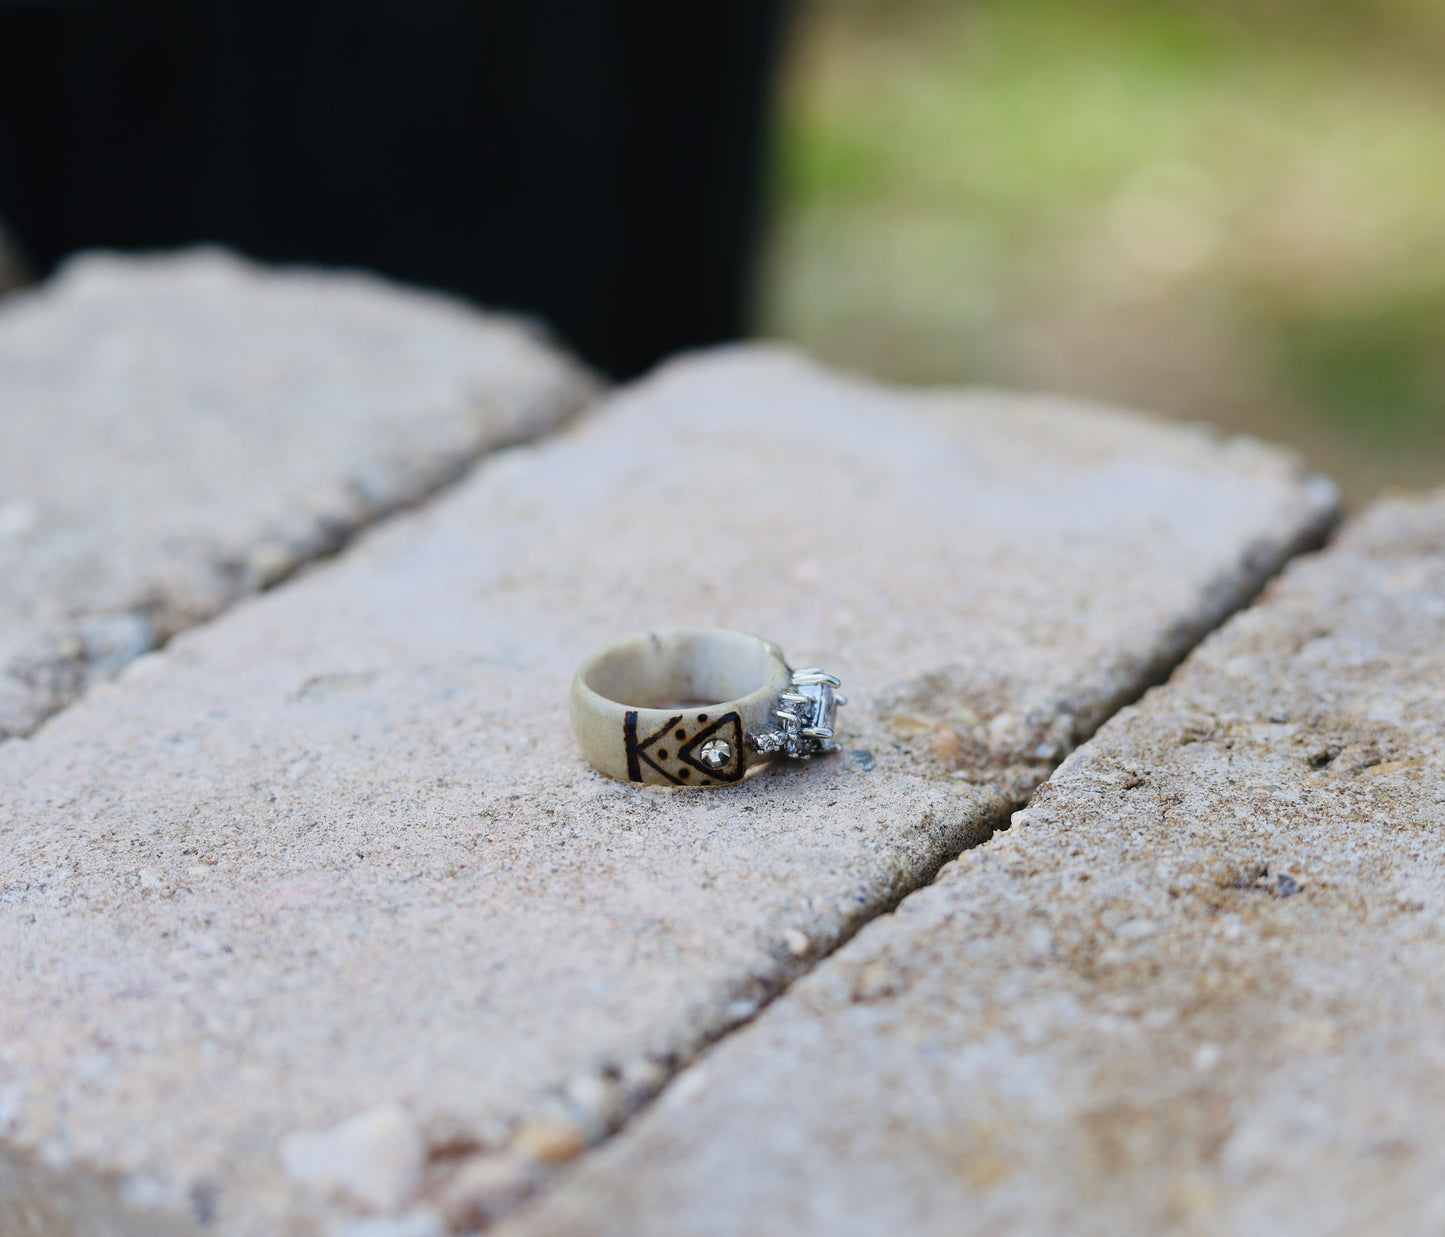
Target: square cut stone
318 914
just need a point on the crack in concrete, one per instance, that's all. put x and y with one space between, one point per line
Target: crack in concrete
80 663
1229 596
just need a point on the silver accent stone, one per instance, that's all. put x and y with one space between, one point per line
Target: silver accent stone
716 754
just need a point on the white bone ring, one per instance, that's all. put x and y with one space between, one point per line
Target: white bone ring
698 706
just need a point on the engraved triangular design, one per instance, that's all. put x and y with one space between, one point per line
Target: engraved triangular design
730 727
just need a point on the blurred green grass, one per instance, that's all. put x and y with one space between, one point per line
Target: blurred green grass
1231 211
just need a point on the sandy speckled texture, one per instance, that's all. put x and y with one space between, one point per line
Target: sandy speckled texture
179 431
334 858
1199 987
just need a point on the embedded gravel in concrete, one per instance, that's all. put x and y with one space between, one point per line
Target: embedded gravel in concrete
1197 988
318 918
180 431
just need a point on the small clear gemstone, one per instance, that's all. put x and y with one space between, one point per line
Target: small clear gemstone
825 710
715 754
822 706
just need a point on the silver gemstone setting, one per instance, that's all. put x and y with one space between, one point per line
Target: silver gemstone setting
806 714
716 754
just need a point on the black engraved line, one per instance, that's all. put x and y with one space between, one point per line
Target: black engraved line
685 753
637 751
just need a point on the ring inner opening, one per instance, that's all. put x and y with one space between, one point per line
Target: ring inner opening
670 670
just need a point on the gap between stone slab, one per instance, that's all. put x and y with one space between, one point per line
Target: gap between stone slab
1310 541
332 540
448 477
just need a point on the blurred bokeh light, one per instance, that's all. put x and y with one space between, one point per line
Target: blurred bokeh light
1226 210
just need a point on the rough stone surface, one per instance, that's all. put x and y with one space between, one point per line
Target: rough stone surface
180 431
337 853
1199 986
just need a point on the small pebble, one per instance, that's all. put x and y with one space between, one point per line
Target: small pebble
595 1100
549 1140
874 982
109 643
947 744
268 562
486 1187
375 1157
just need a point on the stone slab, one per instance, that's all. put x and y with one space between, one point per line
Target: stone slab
1198 987
317 918
180 431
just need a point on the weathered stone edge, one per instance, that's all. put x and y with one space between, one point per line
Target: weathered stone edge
1231 594
73 671
1232 591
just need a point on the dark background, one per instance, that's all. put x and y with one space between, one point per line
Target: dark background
1217 210
596 163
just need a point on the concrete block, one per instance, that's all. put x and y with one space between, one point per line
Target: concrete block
180 431
318 918
1196 988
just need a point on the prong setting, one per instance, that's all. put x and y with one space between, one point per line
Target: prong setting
805 717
